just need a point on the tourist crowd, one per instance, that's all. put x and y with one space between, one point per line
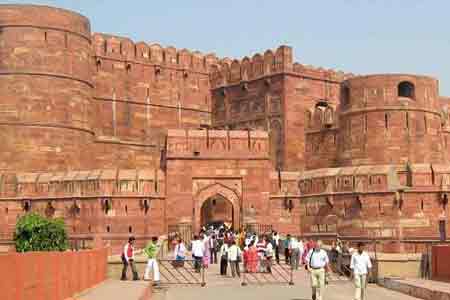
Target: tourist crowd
256 253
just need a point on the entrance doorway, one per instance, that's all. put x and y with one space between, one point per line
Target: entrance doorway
217 210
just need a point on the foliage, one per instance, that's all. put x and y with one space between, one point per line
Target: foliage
36 233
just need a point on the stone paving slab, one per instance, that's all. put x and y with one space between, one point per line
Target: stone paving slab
220 288
116 289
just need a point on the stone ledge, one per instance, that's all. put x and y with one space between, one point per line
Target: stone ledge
422 289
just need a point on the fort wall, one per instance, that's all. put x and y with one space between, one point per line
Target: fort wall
272 93
379 125
121 137
45 117
141 87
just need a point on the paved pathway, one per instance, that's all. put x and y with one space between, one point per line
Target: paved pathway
116 289
219 288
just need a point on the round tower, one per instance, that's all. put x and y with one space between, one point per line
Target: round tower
390 119
45 87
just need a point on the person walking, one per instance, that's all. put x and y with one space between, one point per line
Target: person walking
252 258
198 248
318 261
151 250
245 256
295 253
223 255
269 255
361 265
128 260
276 246
301 251
287 254
206 251
234 254
213 246
261 248
308 246
179 253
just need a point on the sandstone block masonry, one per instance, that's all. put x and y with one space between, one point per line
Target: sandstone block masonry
122 137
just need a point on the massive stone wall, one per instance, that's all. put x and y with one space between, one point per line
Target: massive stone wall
271 92
105 132
204 164
380 125
140 87
46 87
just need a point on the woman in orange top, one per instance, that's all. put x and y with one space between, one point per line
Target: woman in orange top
252 258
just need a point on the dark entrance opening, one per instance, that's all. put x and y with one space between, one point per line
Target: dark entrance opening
216 211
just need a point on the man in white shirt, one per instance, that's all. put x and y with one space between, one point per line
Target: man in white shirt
317 262
276 245
198 248
234 254
301 250
360 265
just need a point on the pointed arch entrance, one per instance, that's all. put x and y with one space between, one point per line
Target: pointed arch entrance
216 203
216 209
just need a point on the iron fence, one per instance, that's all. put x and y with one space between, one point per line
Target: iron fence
262 271
182 272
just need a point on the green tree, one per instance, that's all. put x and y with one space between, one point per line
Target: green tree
36 233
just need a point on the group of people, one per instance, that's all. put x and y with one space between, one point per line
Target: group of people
151 251
317 264
229 248
217 245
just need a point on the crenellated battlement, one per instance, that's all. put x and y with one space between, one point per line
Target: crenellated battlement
232 71
321 73
220 144
122 48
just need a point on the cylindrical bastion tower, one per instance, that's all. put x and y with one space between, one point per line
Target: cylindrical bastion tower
45 89
390 119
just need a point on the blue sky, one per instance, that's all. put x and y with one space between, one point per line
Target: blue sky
359 36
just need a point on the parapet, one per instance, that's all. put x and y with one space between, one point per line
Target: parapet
321 73
375 178
228 71
377 90
40 16
89 183
217 144
116 47
234 71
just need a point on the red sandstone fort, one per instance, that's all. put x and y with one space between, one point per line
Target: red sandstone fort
123 138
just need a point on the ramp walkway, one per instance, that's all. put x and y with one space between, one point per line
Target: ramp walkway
116 289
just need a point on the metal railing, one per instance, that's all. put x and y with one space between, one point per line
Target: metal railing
263 271
183 272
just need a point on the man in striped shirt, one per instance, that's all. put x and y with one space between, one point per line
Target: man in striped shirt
261 248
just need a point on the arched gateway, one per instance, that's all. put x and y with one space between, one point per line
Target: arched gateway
216 203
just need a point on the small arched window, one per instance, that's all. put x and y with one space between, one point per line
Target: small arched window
406 89
345 96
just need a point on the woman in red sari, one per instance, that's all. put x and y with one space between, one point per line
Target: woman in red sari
252 258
